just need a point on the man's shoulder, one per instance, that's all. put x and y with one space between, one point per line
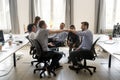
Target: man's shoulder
32 33
89 31
65 32
43 30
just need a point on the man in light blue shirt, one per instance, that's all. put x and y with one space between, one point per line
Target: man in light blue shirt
59 38
87 40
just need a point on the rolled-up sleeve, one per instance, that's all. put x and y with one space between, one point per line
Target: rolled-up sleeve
81 33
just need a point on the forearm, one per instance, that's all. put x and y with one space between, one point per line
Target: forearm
55 31
73 31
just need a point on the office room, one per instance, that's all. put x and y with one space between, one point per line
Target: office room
59 40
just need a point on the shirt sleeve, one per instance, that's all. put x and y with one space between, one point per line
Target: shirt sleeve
45 32
32 35
81 33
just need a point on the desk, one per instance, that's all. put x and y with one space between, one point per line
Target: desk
111 46
7 50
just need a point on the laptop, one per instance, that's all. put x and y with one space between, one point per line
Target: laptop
2 36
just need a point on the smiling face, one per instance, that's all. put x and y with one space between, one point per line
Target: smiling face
44 26
72 27
84 26
62 26
34 28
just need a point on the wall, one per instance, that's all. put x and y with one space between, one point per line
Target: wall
23 14
84 10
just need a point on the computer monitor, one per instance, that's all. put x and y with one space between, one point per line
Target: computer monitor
2 36
116 30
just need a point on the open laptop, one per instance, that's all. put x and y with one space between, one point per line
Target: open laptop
2 36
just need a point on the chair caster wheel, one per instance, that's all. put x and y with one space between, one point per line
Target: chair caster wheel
91 74
84 70
40 76
36 66
32 63
94 70
77 72
34 71
54 74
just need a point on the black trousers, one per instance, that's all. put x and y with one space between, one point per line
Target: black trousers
56 43
55 56
79 54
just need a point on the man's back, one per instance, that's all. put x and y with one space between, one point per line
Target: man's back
42 37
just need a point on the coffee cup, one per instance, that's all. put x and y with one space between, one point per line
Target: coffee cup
110 37
10 42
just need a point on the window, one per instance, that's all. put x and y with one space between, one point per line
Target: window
5 23
112 13
52 11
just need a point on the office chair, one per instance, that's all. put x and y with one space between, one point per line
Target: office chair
42 58
33 52
91 55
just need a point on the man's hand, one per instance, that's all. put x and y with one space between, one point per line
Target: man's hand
74 45
68 42
77 49
50 44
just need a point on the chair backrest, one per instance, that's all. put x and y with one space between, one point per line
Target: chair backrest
27 37
32 42
93 47
38 47
32 48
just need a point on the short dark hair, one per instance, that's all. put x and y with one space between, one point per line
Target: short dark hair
72 26
29 27
85 23
37 18
63 23
41 23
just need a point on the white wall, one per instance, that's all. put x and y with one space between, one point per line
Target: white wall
84 10
23 14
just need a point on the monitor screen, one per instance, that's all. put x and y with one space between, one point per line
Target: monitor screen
1 36
116 31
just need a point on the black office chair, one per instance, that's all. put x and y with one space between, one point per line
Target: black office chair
42 58
33 52
91 56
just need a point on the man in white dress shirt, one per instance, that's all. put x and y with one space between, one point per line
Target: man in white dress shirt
31 29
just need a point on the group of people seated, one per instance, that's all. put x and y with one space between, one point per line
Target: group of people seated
76 40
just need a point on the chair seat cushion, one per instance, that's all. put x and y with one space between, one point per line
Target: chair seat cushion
87 54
